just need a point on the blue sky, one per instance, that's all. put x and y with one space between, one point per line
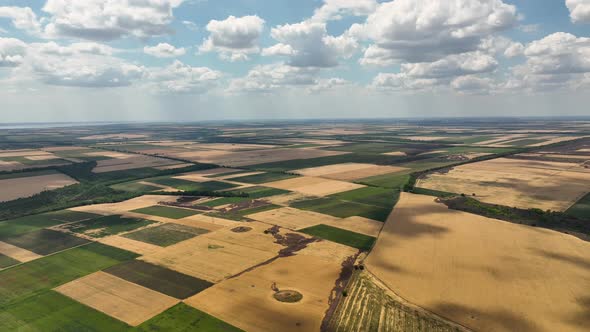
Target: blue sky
175 60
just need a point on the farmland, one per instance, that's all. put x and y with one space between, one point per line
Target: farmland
289 227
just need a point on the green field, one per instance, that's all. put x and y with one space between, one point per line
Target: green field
135 187
14 227
261 192
181 317
163 280
581 209
35 277
351 239
167 211
107 225
165 235
394 180
370 202
51 311
263 178
186 185
239 215
45 241
6 261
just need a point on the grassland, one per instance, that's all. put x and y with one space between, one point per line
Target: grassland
45 241
167 212
368 307
163 280
6 261
184 318
165 235
135 187
186 185
107 225
351 239
38 276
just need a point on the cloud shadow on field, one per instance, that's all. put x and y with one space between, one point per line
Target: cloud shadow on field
492 320
578 261
582 318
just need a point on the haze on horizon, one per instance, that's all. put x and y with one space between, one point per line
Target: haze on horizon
193 60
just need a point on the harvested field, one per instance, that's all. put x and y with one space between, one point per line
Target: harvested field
395 154
260 177
160 279
287 199
116 297
138 247
45 241
460 257
514 182
165 235
20 254
371 307
122 207
247 301
175 166
244 158
29 186
109 154
349 171
134 161
314 186
218 255
292 218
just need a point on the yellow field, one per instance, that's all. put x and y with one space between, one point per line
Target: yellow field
247 301
29 186
20 254
121 299
313 186
137 247
348 171
512 182
131 162
483 273
123 207
218 255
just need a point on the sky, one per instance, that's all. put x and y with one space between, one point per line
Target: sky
194 60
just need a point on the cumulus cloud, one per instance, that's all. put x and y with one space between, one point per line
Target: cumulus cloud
182 78
472 85
105 20
164 50
427 30
452 65
234 38
402 82
579 10
558 60
309 45
265 78
278 49
337 9
22 18
12 52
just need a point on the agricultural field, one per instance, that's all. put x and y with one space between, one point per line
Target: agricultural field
289 227
474 254
29 184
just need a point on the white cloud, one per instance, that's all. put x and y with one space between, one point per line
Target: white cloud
181 78
337 9
452 65
52 48
278 49
12 52
23 18
234 38
558 60
472 85
427 30
190 25
164 50
264 78
311 46
105 20
329 84
579 10
401 82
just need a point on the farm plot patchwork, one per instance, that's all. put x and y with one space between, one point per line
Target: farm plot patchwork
131 162
515 182
473 254
165 235
348 238
186 185
349 171
313 186
104 226
45 241
166 211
